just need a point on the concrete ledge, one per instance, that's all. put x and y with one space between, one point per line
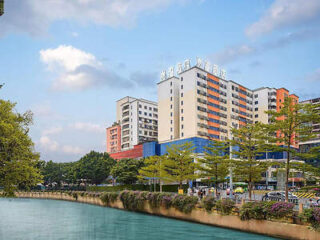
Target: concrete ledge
270 228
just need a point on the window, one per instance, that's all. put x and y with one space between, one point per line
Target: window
181 79
171 91
181 94
145 132
181 86
181 102
256 115
145 114
140 112
256 109
171 121
171 114
181 134
170 83
181 110
150 114
181 126
181 118
170 98
171 137
256 96
145 107
170 129
150 108
256 102
171 106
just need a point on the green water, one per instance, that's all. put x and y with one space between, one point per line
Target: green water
37 219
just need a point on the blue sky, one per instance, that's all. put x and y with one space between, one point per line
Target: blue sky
69 61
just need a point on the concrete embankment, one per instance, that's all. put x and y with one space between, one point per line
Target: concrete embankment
270 228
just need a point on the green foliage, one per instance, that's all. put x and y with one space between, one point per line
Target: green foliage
135 187
208 203
289 125
184 203
18 161
57 172
252 141
225 206
109 197
179 163
94 166
126 171
312 216
215 163
135 200
255 210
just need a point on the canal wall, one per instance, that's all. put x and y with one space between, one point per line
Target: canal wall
271 228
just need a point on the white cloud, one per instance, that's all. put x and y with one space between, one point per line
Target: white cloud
232 53
67 58
48 144
75 34
35 16
79 70
72 150
285 13
52 131
88 127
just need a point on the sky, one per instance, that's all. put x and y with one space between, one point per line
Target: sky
69 61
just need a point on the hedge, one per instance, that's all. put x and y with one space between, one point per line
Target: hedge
136 187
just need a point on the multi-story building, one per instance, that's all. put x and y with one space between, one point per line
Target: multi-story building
200 102
114 138
305 146
137 123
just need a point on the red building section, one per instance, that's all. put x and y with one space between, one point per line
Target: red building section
136 152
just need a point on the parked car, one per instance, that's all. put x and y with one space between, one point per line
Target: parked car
281 196
239 190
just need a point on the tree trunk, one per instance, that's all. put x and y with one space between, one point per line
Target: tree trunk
160 183
154 185
250 189
180 185
287 176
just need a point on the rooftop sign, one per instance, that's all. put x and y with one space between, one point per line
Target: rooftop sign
206 65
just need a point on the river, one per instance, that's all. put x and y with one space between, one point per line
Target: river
39 219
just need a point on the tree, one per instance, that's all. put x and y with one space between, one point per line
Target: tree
58 172
215 163
18 160
95 167
289 125
153 169
126 171
179 163
251 141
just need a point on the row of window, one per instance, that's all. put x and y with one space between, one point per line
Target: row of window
212 120
202 125
241 91
150 114
150 108
199 75
241 105
241 98
202 109
203 93
211 88
241 112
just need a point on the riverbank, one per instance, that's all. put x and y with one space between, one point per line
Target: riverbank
271 228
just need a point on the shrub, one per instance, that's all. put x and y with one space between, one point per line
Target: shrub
225 206
133 200
312 216
281 210
208 202
255 210
109 197
166 200
184 203
75 195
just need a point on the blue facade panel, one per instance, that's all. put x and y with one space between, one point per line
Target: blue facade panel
151 149
199 144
